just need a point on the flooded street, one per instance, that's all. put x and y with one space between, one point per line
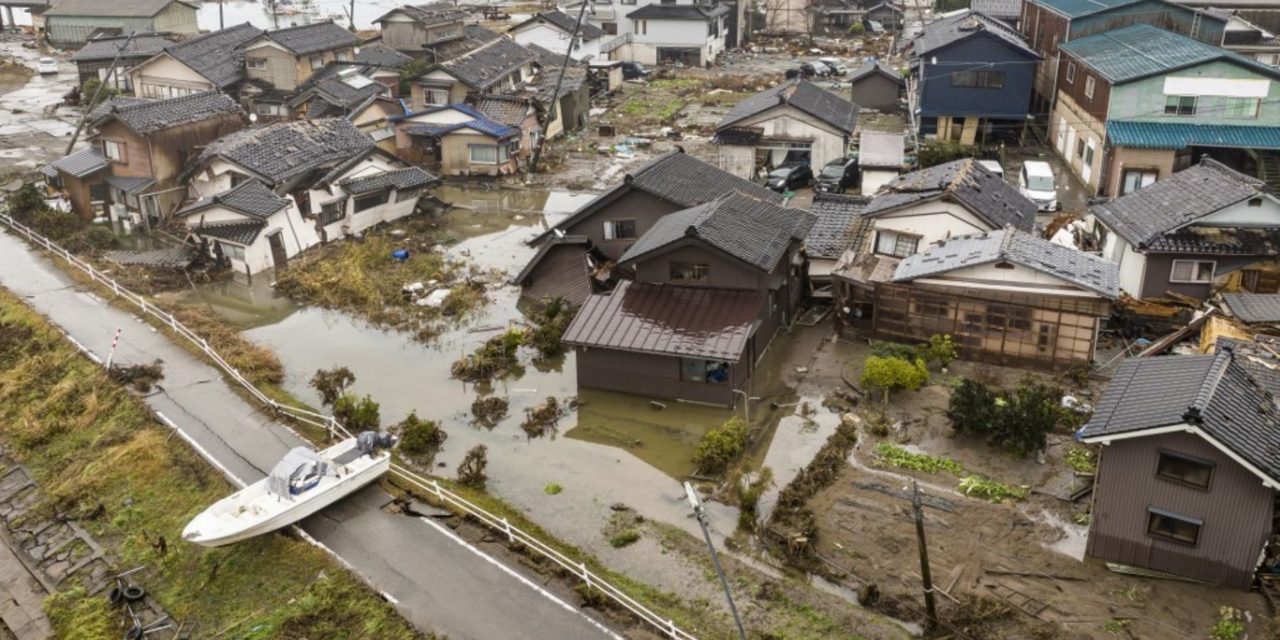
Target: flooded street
33 128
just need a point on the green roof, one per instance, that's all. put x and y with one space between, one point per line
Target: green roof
1180 135
1077 8
1141 50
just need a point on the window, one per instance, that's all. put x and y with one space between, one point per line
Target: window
978 79
610 28
265 109
435 97
690 272
238 179
113 150
1071 72
372 200
344 56
1134 179
1080 148
232 251
256 63
1255 202
619 229
484 154
1088 153
1170 526
892 243
317 62
1192 271
411 194
1180 105
1089 85
642 27
1242 107
709 371
331 212
1187 470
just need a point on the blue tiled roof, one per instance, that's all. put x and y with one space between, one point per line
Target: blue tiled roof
1077 8
1141 50
457 106
1180 135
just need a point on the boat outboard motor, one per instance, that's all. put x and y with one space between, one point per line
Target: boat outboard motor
370 441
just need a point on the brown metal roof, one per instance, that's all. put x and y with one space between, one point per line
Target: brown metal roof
670 320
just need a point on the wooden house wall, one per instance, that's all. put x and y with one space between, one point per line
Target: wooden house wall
637 205
562 273
654 375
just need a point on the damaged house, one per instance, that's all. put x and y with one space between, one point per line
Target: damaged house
551 30
208 62
796 122
139 149
278 62
600 233
499 66
94 59
264 195
458 140
420 30
1201 229
1187 477
712 284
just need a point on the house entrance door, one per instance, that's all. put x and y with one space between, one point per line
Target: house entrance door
278 255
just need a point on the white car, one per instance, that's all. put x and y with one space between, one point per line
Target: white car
46 66
837 67
1036 182
993 166
821 69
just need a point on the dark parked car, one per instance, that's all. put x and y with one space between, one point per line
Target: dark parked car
789 177
634 71
805 70
838 175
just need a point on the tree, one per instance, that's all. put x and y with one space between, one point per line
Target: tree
892 373
90 88
721 446
1016 420
357 414
420 437
471 469
332 383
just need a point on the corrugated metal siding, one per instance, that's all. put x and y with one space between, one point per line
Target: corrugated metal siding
563 273
73 31
652 375
1236 510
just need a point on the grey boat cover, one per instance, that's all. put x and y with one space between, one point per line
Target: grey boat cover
299 463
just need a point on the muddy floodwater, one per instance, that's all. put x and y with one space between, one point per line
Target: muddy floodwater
616 448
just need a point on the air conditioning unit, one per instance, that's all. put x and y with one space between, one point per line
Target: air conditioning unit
117 212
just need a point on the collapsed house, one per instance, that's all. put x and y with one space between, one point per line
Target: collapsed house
264 195
1204 228
796 122
711 286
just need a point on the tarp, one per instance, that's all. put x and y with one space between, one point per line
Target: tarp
296 465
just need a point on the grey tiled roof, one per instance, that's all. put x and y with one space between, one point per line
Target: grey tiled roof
573 79
238 232
1009 245
407 178
313 38
111 103
217 55
376 54
251 198
757 232
341 86
111 9
1253 307
880 149
875 67
677 12
130 184
1002 9
565 23
285 150
429 14
687 181
838 226
948 31
967 182
1145 215
144 45
148 116
800 94
1213 393
473 36
81 163
508 110
484 66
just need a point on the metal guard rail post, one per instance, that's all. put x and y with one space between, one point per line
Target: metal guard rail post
331 426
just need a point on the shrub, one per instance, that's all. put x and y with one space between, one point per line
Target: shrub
749 497
1081 459
896 456
471 469
91 238
551 321
1230 625
89 88
934 153
721 446
495 358
1016 420
857 28
357 414
940 349
489 411
891 374
624 538
552 489
332 383
420 437
987 489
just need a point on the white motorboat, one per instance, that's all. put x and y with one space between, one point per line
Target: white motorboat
301 484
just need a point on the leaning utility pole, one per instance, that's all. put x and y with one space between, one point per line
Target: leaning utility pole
555 95
931 612
111 73
700 513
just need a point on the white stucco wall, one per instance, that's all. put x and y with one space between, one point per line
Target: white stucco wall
873 179
1013 278
553 39
932 221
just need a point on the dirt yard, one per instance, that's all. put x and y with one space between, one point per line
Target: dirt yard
1013 569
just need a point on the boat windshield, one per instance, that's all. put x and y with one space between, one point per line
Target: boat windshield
300 469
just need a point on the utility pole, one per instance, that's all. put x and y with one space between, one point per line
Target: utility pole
931 611
221 23
555 95
700 513
110 77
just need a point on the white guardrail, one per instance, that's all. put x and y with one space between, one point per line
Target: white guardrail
331 425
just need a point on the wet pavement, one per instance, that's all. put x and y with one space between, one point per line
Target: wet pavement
439 582
34 128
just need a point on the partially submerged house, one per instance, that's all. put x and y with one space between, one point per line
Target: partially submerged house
1187 476
712 284
552 30
971 81
604 229
1004 296
70 23
94 59
1139 103
1192 232
212 61
881 157
795 122
876 85
278 62
458 140
335 180
499 66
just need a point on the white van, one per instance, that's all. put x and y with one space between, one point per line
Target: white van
993 166
1036 182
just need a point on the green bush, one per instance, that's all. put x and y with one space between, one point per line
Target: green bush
721 446
935 153
624 538
987 489
939 349
495 358
357 414
892 373
94 237
1016 420
420 437
857 28
895 456
28 207
332 383
1230 625
551 321
89 88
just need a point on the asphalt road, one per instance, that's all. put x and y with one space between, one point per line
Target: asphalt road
440 582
